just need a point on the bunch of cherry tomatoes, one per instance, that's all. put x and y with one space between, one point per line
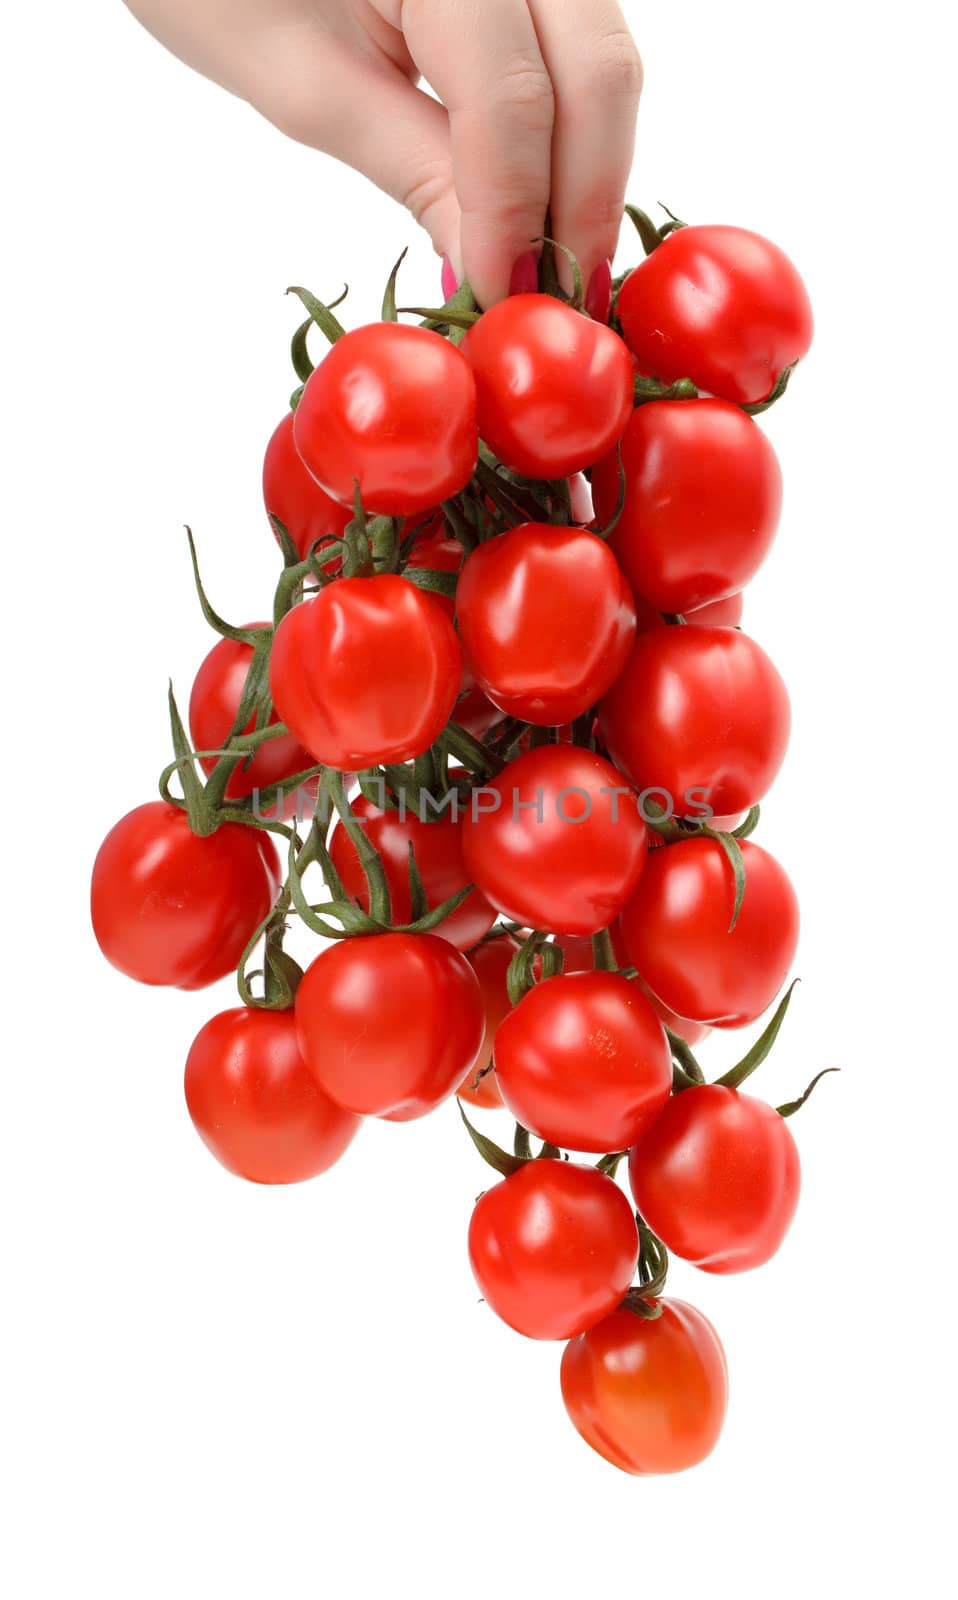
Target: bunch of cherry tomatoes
504 713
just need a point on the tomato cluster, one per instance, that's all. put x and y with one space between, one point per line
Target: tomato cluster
506 713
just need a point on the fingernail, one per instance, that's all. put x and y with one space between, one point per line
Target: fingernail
525 274
449 281
598 296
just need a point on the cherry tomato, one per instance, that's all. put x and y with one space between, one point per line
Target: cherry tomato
717 1178
394 409
676 931
546 621
648 1395
390 1023
366 671
255 1103
292 495
583 1061
437 847
698 714
719 305
553 1248
703 494
490 962
169 907
554 389
556 840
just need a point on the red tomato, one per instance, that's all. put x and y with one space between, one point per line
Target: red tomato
556 840
703 495
554 389
698 709
214 702
553 1248
583 1062
649 1396
490 962
390 1023
717 1178
255 1103
546 621
394 409
169 907
437 846
367 671
719 305
292 495
676 931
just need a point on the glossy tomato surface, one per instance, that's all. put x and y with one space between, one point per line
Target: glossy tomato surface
169 907
292 495
649 1396
676 931
703 495
366 671
553 1248
214 702
717 1178
392 408
390 1023
255 1103
719 305
546 621
490 962
554 389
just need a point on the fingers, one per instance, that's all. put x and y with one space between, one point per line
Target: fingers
485 62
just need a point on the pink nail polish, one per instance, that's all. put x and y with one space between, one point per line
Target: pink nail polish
598 296
525 274
449 281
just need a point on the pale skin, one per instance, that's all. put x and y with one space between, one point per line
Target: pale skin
537 108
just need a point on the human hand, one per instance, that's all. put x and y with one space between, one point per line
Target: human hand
538 108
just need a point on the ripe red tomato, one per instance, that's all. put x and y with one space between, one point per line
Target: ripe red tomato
437 846
703 494
292 495
717 1178
649 1396
490 962
554 389
583 1062
392 408
676 931
556 840
698 709
390 1023
366 671
255 1103
719 305
546 621
214 702
553 1248
169 907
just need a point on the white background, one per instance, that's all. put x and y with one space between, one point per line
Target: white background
217 1390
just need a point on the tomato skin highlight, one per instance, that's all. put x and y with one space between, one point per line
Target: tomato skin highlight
648 1395
366 671
256 1105
171 908
553 1248
389 1023
717 1178
557 873
583 1062
392 408
720 305
546 621
292 495
437 846
703 497
701 708
676 931
554 389
490 962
